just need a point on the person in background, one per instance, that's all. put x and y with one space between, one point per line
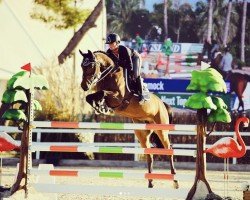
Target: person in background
139 42
167 50
227 59
130 60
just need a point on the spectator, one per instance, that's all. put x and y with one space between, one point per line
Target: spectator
227 59
139 42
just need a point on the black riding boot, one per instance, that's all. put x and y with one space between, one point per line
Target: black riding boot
142 90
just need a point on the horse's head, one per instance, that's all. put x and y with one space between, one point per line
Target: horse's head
90 69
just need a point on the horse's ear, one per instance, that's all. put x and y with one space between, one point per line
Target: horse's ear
81 52
91 54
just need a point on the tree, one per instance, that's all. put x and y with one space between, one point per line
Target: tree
119 15
229 10
64 15
78 35
205 82
59 14
19 95
218 21
140 23
243 31
166 18
210 20
185 18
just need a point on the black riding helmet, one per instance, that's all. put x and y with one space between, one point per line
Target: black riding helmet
113 37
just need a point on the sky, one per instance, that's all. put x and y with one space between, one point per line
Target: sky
150 3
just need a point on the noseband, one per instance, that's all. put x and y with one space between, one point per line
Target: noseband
98 75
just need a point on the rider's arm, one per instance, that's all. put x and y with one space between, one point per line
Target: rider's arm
125 56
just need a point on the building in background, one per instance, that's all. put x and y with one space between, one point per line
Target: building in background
26 40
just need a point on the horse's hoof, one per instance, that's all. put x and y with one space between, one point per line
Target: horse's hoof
150 185
175 184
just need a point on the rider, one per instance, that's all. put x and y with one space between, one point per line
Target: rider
227 59
128 59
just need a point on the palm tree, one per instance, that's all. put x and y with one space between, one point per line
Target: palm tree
229 10
120 15
218 27
166 18
210 20
185 16
243 31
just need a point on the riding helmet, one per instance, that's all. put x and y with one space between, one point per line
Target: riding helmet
113 37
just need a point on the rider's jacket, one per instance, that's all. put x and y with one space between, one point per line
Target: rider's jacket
123 58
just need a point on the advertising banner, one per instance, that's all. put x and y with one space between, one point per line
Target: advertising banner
178 100
173 92
179 48
167 85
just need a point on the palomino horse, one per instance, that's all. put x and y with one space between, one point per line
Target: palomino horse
238 81
112 95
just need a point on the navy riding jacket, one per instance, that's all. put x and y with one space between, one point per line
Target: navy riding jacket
124 57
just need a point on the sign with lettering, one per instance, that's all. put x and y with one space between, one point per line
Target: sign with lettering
178 100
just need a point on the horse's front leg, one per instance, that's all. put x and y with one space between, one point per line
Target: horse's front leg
97 101
143 137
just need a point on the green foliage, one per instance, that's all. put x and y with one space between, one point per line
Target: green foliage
199 101
14 96
207 80
13 79
220 104
37 106
62 14
34 81
141 24
15 115
120 15
219 115
17 95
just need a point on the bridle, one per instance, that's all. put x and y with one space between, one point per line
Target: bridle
98 74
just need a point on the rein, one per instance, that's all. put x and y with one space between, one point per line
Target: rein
98 76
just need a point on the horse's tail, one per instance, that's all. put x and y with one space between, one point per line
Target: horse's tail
170 112
154 139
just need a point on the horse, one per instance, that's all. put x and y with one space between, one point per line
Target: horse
238 81
112 95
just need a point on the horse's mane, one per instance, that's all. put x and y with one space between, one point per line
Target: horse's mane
103 52
99 51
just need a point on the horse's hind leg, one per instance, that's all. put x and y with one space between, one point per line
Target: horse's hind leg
143 137
163 136
241 104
